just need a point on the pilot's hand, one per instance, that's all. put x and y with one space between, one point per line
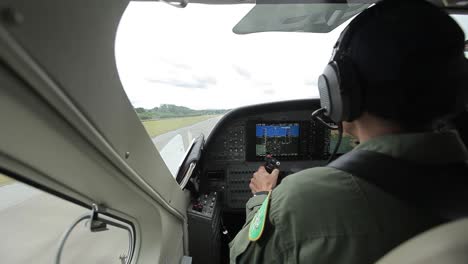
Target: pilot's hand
263 181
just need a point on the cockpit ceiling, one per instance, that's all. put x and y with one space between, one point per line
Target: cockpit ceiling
314 16
451 4
297 17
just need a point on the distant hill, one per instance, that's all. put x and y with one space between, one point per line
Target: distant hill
170 111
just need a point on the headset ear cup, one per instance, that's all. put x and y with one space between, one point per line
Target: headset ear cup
330 92
340 92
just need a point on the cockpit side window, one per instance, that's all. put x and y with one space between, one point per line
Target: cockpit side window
34 223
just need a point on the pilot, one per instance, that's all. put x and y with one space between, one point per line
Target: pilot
407 58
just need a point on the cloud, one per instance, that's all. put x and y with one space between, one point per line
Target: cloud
176 65
263 83
179 74
269 91
195 83
242 72
248 76
135 102
311 82
182 66
208 80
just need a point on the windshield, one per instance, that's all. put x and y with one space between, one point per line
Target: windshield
183 69
190 57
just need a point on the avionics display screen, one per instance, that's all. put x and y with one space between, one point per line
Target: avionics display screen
279 139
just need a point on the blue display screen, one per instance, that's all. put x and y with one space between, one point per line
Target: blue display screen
280 130
279 139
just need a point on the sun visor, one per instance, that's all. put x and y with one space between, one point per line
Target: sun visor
297 16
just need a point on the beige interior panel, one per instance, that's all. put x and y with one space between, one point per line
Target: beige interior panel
67 123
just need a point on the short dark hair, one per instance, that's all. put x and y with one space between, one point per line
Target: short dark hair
409 57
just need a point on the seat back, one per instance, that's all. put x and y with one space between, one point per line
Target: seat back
439 189
447 244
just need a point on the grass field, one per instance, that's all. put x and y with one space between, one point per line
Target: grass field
4 180
158 127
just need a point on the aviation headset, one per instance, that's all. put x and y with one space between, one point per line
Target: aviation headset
339 86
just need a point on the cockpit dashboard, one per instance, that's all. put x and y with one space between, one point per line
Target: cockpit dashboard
239 143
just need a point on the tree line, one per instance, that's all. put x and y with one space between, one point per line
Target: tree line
171 111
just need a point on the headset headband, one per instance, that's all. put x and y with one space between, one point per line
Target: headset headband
339 87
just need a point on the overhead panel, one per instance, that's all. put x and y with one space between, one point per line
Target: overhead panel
298 16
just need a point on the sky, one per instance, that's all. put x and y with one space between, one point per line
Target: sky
190 57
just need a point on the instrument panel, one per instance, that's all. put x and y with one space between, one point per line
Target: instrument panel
241 140
285 140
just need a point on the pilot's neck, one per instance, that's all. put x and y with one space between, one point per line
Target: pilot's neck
368 126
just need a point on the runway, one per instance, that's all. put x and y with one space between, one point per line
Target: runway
187 133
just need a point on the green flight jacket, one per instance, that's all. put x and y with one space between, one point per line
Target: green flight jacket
324 215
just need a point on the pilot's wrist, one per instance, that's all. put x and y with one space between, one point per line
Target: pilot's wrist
261 193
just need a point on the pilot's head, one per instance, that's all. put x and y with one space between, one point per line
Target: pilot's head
399 61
